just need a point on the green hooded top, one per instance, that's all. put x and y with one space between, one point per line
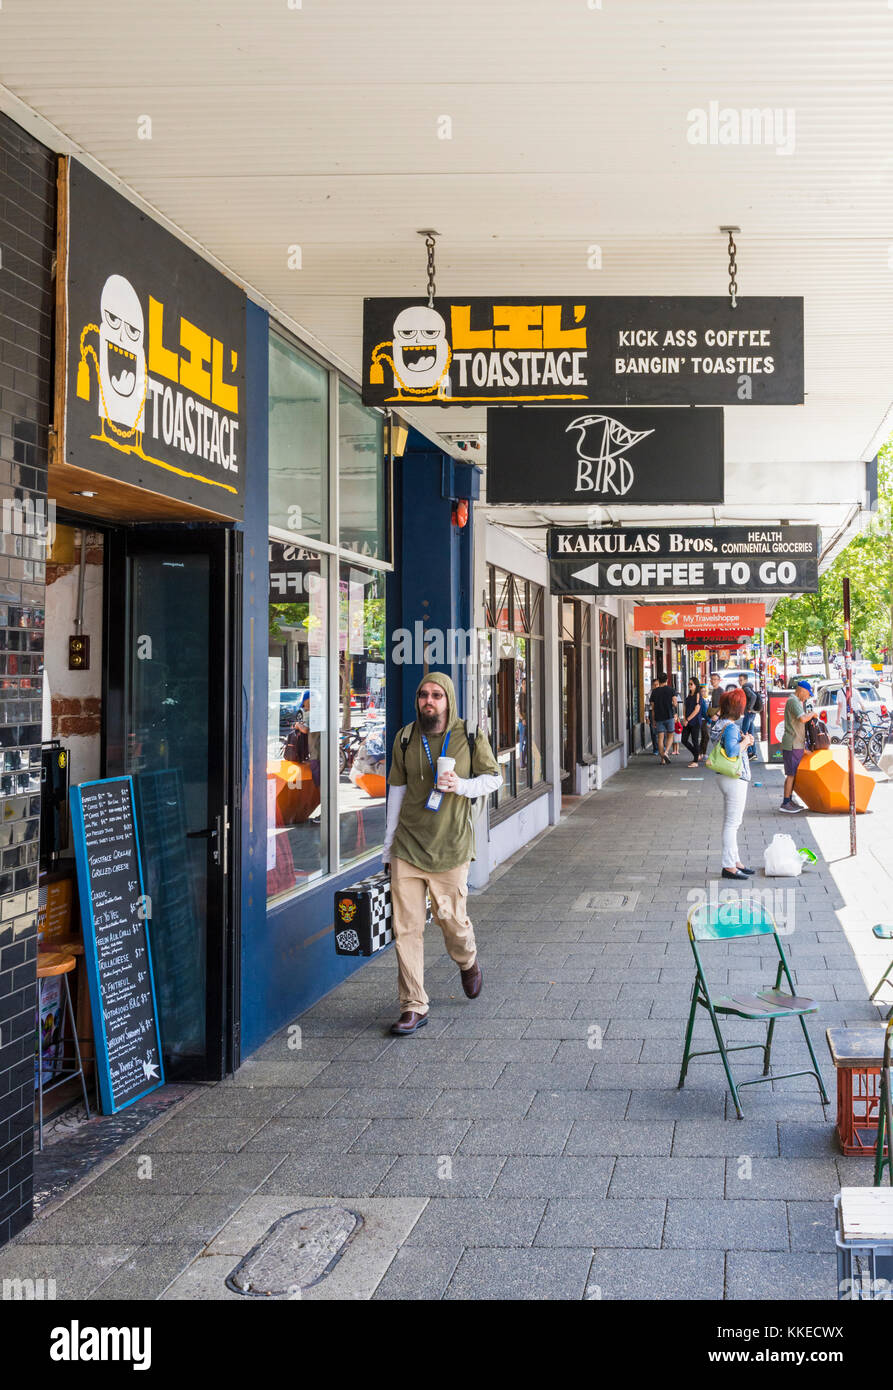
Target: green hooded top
444 839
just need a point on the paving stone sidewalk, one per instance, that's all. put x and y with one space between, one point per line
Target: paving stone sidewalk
532 1143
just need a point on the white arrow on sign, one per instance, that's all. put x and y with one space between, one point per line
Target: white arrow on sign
589 575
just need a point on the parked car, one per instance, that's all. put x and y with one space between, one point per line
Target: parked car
730 677
826 703
290 702
812 663
730 682
864 671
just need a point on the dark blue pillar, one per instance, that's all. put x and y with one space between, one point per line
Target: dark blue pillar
430 593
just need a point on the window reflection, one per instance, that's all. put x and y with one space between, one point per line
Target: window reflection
297 751
514 699
362 785
298 443
361 475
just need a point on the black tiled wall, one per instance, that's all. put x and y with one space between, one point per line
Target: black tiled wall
27 244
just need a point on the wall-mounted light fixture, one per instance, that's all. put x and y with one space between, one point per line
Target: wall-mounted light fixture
396 437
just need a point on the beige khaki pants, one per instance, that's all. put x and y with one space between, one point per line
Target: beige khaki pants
449 895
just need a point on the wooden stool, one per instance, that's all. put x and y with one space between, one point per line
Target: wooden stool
857 1054
49 965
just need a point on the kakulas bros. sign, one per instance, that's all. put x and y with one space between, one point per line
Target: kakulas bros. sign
683 560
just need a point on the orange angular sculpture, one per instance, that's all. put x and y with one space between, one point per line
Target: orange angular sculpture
297 795
823 781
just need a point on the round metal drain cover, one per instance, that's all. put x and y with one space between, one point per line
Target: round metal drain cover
297 1251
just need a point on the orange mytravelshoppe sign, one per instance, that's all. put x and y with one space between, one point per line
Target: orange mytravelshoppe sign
700 617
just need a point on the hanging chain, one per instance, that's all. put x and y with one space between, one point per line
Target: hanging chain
733 265
429 234
733 268
429 245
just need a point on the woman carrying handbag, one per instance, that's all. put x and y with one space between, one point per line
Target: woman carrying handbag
695 712
727 758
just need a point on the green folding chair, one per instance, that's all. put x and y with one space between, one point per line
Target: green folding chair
885 1116
738 921
884 933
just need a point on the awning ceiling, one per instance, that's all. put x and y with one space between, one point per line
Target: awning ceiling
317 126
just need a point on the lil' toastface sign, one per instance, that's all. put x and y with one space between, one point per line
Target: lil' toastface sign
155 394
625 351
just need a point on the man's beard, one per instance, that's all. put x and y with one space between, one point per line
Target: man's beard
428 722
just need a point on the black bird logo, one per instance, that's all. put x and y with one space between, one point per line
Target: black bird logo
603 441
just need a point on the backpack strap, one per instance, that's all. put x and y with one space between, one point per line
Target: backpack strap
405 737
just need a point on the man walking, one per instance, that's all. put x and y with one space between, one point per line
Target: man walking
797 713
750 710
712 710
429 841
663 710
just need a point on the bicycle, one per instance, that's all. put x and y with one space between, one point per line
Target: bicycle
870 739
348 747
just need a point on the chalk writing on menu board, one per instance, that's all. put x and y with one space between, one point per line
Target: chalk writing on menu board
119 965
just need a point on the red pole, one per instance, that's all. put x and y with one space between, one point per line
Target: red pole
851 732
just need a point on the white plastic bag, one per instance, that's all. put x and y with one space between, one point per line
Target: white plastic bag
781 859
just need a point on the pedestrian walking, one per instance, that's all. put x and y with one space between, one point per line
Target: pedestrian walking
677 734
714 695
654 747
695 716
663 710
857 705
798 711
429 840
754 705
728 747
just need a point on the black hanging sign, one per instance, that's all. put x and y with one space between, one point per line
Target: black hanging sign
622 350
114 915
683 560
604 456
155 387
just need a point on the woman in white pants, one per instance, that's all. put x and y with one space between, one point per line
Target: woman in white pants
734 743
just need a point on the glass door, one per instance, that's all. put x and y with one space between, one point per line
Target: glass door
172 689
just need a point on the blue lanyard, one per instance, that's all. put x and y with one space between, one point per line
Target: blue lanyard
443 753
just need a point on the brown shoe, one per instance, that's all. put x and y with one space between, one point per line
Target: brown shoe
408 1023
472 979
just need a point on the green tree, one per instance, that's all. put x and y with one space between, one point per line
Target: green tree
817 619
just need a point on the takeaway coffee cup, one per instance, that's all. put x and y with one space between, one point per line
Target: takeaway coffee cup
444 765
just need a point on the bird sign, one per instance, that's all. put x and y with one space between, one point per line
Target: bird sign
603 444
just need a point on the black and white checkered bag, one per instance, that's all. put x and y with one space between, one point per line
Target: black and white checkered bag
363 916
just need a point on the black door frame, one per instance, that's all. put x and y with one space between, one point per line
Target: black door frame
223 544
633 698
570 729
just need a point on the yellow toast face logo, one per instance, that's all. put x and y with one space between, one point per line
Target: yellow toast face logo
347 910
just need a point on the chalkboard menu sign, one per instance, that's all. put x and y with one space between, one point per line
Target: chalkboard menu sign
115 913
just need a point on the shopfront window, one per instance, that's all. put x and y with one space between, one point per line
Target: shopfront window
361 476
298 446
326 750
362 638
607 624
297 743
515 701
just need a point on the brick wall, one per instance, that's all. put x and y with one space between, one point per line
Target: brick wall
27 243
